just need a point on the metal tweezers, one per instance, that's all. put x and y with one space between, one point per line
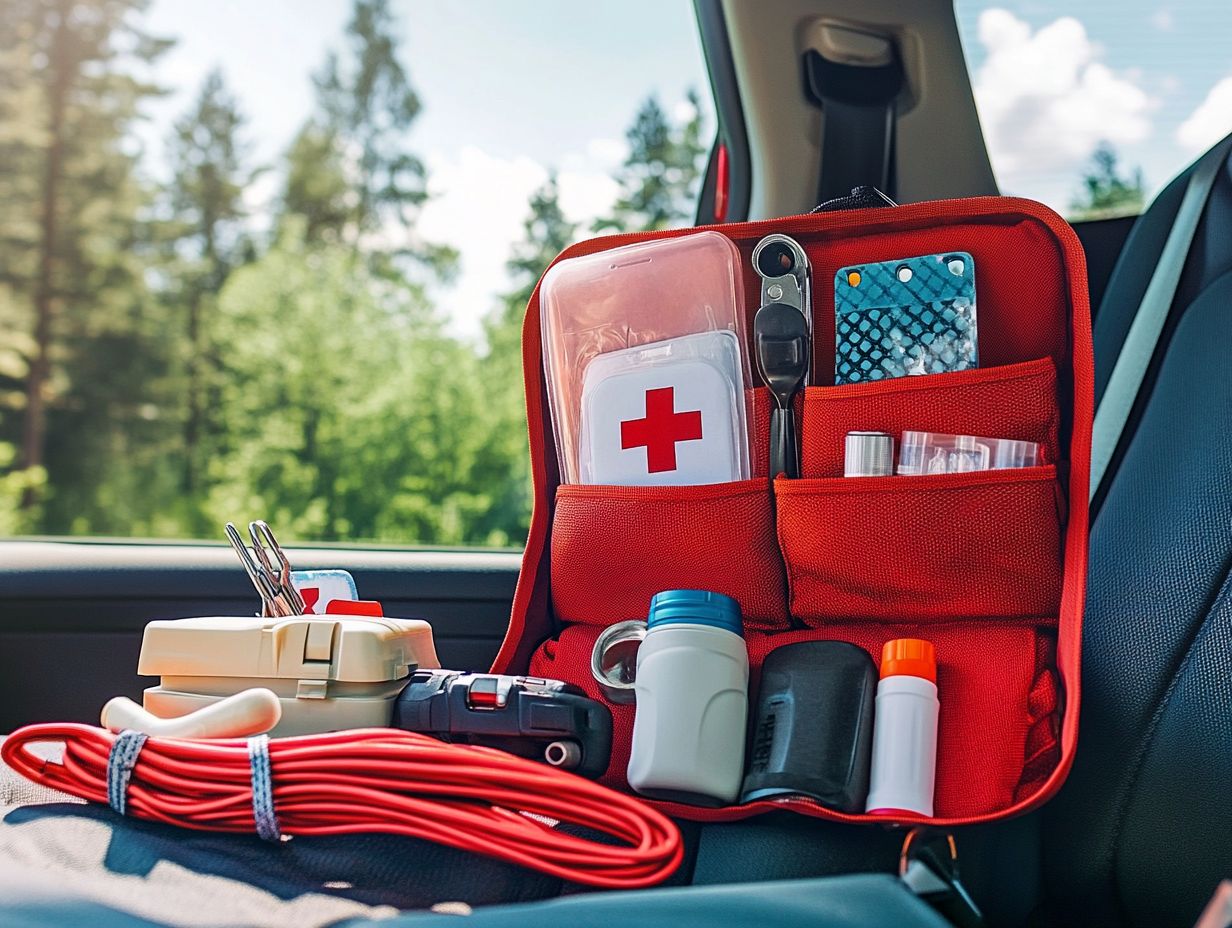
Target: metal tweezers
279 597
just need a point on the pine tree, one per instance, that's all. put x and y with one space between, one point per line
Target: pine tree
208 240
367 106
660 176
1105 192
504 466
545 233
316 190
75 265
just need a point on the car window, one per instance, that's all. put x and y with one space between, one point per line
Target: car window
1093 107
270 260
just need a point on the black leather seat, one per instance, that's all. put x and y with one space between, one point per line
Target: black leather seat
1142 831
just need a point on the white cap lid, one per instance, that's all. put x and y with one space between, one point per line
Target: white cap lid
868 454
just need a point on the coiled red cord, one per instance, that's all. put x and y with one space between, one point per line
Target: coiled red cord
374 780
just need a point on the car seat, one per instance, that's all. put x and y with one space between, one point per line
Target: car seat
1142 831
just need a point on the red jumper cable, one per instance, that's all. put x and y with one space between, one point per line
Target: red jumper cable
372 780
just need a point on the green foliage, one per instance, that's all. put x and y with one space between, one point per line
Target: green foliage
352 414
505 462
1105 192
15 486
367 107
662 171
163 369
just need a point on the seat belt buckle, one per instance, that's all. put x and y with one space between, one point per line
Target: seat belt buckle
928 864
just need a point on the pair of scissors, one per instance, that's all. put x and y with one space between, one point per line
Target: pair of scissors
268 569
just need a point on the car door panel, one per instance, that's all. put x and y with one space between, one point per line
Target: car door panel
72 614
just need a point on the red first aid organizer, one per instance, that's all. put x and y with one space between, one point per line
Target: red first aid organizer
989 566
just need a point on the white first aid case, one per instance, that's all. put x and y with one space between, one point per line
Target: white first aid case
330 672
670 413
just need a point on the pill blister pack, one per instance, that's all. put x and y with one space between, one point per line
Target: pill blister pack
905 317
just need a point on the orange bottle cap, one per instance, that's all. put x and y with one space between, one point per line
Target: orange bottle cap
913 657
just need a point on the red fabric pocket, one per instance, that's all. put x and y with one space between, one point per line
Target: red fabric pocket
935 548
1017 401
568 659
613 548
996 703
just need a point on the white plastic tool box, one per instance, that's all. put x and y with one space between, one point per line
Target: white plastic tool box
330 672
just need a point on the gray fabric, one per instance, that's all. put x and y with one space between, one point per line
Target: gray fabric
866 901
71 863
60 858
18 791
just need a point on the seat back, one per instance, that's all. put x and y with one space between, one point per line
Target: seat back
1142 831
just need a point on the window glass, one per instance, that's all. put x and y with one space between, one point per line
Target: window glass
1093 107
269 260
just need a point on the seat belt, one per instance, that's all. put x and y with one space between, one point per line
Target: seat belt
1148 325
859 108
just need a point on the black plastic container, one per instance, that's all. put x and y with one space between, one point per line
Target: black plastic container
813 725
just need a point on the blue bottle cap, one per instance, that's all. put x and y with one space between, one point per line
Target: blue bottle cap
695 607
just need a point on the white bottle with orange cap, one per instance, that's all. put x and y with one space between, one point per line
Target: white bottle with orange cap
904 764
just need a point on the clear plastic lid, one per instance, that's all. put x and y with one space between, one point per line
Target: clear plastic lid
626 298
934 453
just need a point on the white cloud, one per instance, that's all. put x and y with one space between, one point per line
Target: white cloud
479 203
1210 121
605 153
1163 20
585 195
1046 99
683 111
260 198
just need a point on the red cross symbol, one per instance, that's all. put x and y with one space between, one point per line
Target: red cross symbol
660 430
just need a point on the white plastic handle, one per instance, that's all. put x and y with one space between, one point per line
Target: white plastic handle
249 712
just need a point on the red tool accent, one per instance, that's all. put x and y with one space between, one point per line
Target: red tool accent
659 431
354 607
722 182
374 780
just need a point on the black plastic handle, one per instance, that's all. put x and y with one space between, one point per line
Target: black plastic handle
784 459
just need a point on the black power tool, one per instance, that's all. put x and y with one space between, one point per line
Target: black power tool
545 720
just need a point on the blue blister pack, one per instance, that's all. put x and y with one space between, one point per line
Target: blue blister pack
904 317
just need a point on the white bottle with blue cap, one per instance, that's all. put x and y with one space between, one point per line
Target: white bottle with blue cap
692 700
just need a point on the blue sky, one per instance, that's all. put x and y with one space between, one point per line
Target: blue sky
1145 68
511 88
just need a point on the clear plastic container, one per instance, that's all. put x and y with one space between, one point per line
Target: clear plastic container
935 453
631 297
